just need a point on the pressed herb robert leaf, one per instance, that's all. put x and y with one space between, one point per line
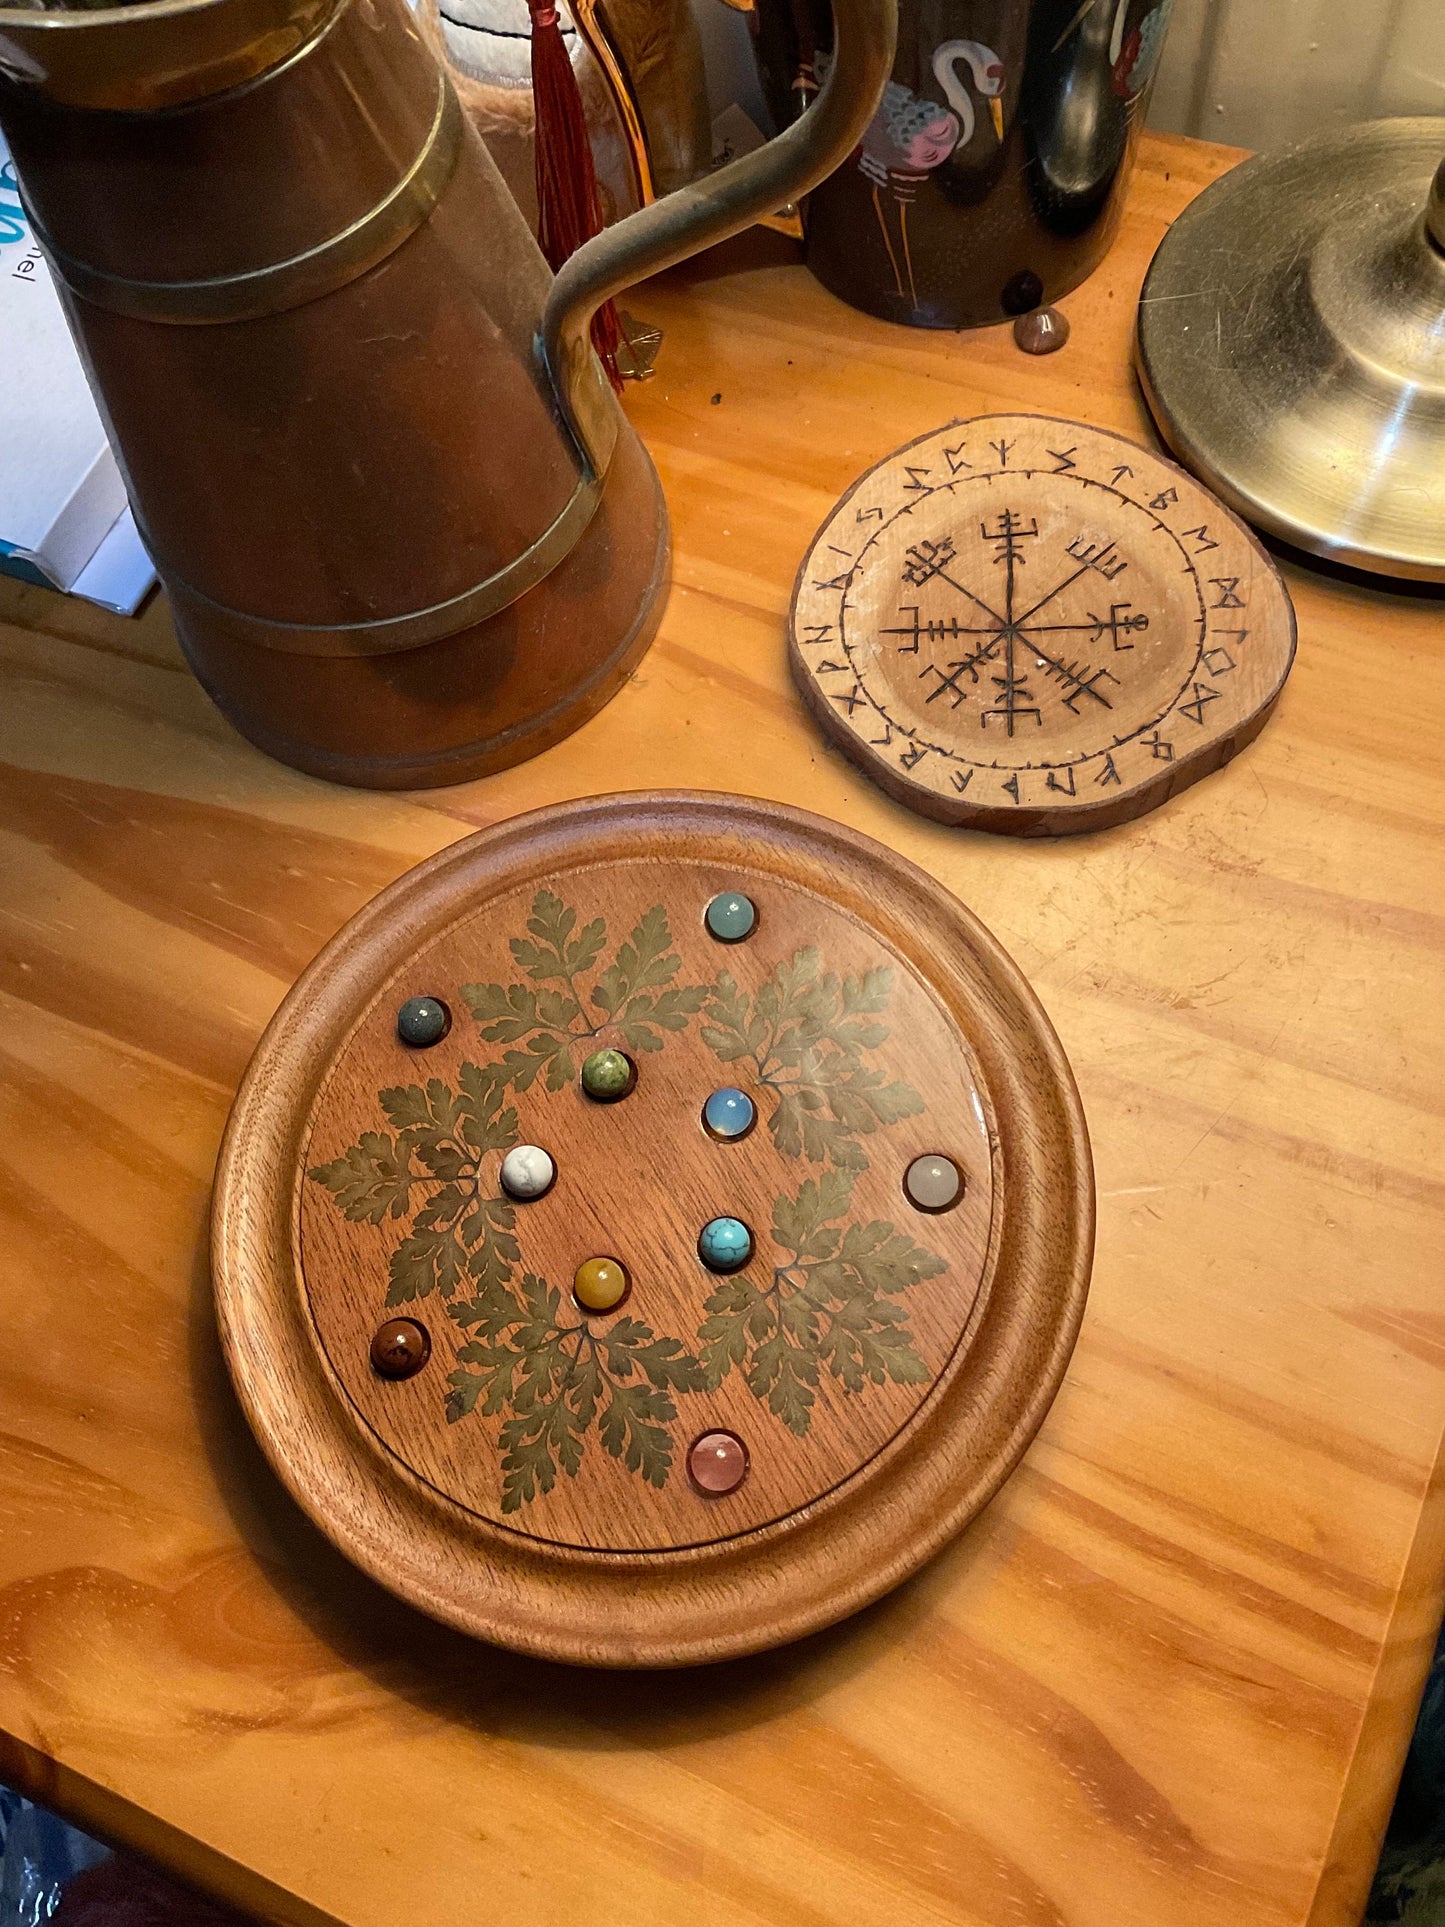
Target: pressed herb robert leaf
828 1308
548 1021
557 1379
432 1163
805 1034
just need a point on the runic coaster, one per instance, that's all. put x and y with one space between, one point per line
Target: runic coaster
652 1228
1032 626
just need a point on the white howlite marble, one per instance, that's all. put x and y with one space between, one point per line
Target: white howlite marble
527 1171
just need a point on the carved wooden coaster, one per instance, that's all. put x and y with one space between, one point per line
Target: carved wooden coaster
652 1228
1033 626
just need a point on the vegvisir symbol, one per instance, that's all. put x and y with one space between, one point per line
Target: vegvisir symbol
634 994
829 1307
1010 642
927 559
805 1034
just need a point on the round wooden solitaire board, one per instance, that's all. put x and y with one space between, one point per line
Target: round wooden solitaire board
883 1366
1033 626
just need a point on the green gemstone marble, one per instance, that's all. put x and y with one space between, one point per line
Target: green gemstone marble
731 917
608 1075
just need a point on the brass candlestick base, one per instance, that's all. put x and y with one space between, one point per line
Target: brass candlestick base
1291 342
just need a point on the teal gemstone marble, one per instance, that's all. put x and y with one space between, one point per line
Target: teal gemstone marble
422 1021
725 1244
608 1075
729 1113
731 917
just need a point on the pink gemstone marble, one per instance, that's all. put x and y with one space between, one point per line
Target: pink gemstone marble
717 1463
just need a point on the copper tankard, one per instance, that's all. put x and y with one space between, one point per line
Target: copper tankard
407 534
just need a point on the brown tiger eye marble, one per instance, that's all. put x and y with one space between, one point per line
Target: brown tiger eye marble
399 1348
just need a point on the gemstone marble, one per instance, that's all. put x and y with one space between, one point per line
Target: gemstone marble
400 1348
933 1183
725 1244
527 1171
608 1075
729 1113
717 1463
422 1021
600 1284
731 917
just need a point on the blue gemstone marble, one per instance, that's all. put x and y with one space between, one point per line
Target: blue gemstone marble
422 1021
725 1244
731 917
729 1113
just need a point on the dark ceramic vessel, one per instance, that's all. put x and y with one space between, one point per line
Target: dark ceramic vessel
991 178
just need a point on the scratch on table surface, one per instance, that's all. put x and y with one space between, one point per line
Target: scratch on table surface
1147 1190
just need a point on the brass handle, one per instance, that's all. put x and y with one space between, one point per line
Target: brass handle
598 41
707 211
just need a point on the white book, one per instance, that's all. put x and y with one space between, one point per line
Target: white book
61 493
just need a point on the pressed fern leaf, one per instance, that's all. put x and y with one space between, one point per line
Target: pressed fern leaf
557 1382
805 1033
440 1137
829 1309
545 1027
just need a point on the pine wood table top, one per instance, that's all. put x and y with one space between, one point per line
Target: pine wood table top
1167 1675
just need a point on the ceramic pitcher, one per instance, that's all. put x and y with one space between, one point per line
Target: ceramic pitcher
991 177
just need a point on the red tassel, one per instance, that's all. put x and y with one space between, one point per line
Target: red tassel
569 207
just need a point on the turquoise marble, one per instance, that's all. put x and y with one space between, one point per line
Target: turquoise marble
422 1021
731 917
725 1244
729 1113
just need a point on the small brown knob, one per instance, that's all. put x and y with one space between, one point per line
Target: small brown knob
1042 331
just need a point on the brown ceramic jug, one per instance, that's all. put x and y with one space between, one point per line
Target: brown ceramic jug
407 534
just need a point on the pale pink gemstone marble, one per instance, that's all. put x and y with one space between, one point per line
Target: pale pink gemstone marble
717 1463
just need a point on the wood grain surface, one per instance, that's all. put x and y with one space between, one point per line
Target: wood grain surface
584 1539
1036 627
1168 1674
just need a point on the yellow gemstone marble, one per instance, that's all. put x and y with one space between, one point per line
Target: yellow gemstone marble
600 1284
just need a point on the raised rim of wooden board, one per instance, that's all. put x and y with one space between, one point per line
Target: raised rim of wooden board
758 1589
